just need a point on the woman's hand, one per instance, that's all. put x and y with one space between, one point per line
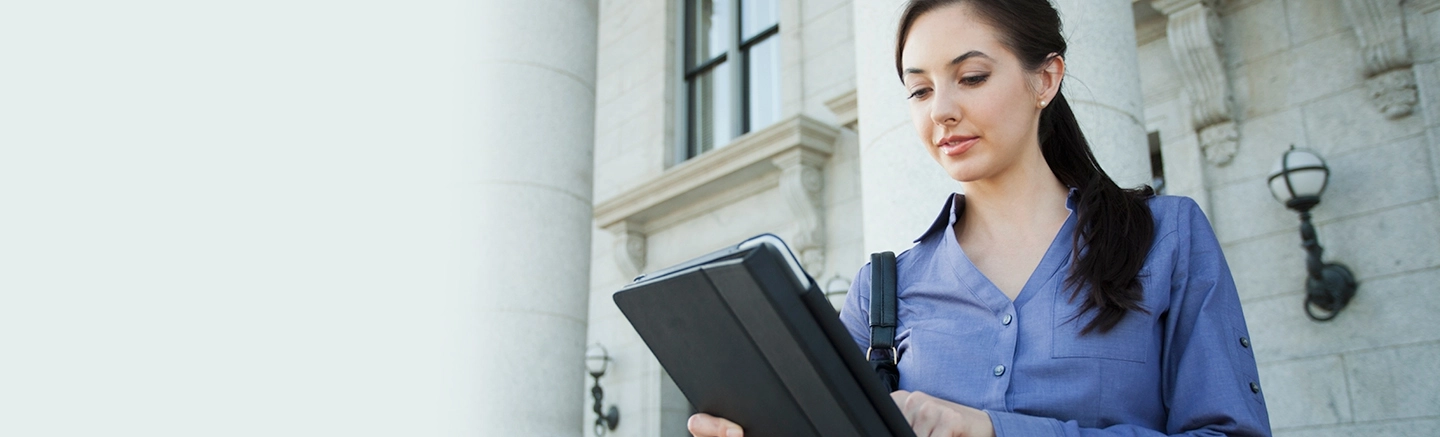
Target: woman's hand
935 417
705 425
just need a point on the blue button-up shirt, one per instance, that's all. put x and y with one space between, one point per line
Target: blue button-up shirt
1182 367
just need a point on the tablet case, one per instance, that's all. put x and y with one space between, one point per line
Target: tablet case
748 336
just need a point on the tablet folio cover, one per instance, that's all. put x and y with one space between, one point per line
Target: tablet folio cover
746 340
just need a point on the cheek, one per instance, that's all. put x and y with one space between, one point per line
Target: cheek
919 117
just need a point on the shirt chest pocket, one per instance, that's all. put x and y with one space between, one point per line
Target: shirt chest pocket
1130 340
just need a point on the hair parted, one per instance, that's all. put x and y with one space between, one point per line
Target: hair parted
1116 227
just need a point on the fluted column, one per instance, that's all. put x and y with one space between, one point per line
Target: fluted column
535 162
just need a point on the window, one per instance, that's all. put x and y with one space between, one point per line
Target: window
1157 164
732 70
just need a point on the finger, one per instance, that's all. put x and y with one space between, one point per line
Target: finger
902 400
705 425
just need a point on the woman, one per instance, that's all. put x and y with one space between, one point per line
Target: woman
1046 300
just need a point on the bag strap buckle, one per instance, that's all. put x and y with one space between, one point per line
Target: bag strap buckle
894 355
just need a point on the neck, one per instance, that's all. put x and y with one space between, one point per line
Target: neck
1026 198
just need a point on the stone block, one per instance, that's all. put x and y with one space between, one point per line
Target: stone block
825 69
842 173
1427 82
1388 311
1395 383
1317 72
1349 121
1356 185
828 30
1306 392
1157 68
816 8
1423 30
1262 86
1254 31
1268 266
618 18
1396 240
1246 209
1309 20
1401 428
1263 140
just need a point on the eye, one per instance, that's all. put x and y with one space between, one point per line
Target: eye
920 93
974 80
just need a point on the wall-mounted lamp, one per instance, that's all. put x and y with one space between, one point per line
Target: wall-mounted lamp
597 361
1298 180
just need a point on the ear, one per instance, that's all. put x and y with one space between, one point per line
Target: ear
1050 75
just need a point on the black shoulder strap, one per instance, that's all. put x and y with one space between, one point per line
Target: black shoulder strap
882 304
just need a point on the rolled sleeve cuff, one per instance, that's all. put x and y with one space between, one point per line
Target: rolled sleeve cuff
1019 425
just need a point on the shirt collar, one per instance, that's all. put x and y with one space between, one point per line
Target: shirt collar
955 206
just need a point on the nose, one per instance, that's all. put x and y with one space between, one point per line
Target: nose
944 107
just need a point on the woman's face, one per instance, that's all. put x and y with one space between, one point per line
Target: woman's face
972 102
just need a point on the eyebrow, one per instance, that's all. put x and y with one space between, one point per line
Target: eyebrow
953 62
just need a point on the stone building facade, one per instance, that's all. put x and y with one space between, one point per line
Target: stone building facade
1216 90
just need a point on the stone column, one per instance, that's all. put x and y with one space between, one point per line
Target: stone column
1103 85
902 188
536 109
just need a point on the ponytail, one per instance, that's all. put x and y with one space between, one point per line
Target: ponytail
1115 227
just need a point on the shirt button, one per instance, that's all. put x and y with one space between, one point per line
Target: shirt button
1000 370
1244 342
1006 320
1254 388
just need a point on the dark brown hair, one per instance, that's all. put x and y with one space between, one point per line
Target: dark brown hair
1115 226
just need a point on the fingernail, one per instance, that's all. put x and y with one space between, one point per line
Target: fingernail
732 432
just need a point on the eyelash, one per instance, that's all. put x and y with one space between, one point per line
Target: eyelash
967 81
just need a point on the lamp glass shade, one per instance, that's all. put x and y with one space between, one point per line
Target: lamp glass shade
1298 173
596 360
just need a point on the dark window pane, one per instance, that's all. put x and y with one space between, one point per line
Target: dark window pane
710 122
1157 164
757 15
763 71
709 31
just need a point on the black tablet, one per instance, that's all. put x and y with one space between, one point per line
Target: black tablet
747 335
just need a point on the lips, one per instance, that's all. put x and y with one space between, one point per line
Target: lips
955 145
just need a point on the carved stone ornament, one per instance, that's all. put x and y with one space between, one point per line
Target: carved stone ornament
629 248
1220 142
802 182
1194 33
1380 27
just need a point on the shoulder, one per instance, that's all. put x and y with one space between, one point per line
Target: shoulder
1175 213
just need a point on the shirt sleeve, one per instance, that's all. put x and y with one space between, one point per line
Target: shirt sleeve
1210 382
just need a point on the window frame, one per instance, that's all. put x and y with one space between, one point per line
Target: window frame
737 49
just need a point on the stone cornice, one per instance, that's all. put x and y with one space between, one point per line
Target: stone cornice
789 154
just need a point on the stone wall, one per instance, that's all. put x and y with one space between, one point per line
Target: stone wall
636 133
1299 78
